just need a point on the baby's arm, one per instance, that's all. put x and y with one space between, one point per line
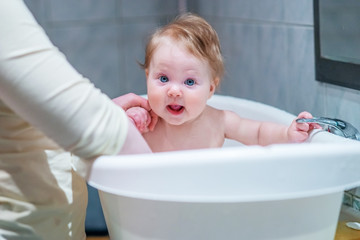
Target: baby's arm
142 119
251 132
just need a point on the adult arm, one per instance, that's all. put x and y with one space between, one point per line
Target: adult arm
38 83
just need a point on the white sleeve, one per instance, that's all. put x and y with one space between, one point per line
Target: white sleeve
38 83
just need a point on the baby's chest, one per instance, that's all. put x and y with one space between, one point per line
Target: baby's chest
186 140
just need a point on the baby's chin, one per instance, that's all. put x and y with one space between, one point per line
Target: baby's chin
173 122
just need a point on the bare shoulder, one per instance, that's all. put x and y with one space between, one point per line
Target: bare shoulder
231 116
225 117
215 114
232 121
214 111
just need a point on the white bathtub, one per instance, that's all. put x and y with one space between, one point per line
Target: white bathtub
290 191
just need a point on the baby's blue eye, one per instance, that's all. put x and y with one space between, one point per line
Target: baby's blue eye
189 82
163 79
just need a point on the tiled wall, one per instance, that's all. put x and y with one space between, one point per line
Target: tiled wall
104 39
267 44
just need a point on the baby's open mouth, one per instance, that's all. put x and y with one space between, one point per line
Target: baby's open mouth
175 109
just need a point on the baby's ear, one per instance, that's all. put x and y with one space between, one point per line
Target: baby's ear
212 88
214 84
146 72
216 81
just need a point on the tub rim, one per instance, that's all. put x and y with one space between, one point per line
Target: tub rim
303 150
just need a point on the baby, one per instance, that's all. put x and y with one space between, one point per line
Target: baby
183 66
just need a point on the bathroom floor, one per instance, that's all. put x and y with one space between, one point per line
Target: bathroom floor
342 233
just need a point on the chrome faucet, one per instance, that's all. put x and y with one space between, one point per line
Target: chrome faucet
335 126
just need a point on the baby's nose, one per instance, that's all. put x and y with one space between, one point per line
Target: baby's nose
175 91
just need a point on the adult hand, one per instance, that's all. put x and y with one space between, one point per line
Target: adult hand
132 100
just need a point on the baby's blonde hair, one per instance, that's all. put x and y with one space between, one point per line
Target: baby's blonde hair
197 35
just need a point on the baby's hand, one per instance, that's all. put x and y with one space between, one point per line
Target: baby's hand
144 120
299 132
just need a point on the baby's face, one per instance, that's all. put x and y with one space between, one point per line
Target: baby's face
179 84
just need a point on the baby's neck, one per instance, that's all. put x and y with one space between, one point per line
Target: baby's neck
190 124
180 129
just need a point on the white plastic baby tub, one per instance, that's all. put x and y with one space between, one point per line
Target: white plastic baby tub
289 191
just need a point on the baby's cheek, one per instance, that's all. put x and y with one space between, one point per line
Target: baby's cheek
155 102
196 104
